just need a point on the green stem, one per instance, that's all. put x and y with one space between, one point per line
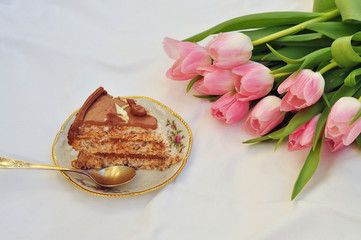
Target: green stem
278 75
296 28
328 67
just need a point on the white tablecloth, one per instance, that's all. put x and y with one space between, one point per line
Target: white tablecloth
53 54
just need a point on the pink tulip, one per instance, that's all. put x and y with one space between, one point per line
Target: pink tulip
303 136
216 81
189 56
254 82
230 49
229 108
338 133
265 116
304 89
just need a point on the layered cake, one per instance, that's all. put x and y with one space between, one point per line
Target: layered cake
109 131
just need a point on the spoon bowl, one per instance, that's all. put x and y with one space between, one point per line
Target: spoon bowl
112 176
106 177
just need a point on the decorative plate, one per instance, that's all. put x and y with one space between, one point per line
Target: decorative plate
174 128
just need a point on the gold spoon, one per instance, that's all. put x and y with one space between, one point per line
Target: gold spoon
106 177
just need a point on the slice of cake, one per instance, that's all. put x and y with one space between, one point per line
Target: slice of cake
109 131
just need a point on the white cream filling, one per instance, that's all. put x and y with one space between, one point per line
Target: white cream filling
121 112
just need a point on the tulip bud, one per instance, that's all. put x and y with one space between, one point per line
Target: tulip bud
229 109
254 80
216 81
338 133
189 56
230 49
265 116
303 90
303 136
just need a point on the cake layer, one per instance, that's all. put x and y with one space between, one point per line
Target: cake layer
97 161
97 132
120 147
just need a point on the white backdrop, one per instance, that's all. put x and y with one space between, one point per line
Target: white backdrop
53 54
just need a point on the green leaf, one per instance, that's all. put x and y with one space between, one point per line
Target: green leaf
343 52
263 32
357 94
309 61
192 82
297 28
350 10
323 5
291 52
350 80
304 40
358 115
320 126
357 49
334 78
325 99
286 69
314 58
334 30
258 20
266 137
258 57
300 37
323 118
284 58
322 42
308 170
260 49
211 98
323 64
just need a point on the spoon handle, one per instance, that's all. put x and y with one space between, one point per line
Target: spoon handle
17 164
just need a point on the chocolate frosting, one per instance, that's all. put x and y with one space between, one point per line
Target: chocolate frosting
100 109
137 110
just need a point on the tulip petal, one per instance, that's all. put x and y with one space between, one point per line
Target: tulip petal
175 72
286 84
170 47
303 136
354 131
194 60
220 81
186 48
237 111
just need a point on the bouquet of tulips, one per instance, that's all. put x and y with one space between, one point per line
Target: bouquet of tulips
291 75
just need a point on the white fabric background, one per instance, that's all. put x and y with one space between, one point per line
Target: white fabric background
53 54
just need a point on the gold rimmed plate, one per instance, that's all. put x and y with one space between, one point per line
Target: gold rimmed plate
173 127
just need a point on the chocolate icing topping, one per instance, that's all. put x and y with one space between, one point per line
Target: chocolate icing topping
100 109
92 98
137 110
